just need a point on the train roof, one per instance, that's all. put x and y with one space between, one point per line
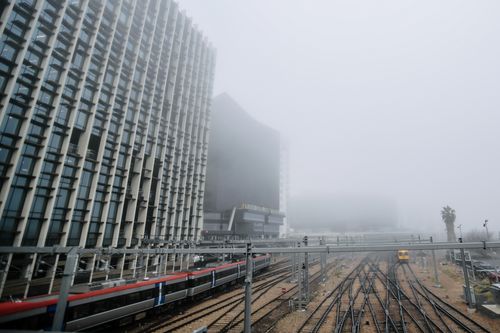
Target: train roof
210 269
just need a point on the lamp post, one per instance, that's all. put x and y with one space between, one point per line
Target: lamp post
460 228
485 225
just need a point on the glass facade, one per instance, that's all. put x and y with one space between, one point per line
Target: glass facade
104 116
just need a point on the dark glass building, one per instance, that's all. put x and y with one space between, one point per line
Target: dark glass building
104 114
244 175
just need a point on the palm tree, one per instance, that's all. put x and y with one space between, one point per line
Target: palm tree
448 216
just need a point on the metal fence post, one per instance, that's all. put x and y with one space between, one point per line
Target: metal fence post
248 290
69 270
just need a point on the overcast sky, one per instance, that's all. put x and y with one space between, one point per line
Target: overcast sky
399 99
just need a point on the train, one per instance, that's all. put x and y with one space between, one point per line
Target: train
403 256
122 304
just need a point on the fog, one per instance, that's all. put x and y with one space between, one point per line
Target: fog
389 99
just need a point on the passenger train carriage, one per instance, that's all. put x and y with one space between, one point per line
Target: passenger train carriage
125 302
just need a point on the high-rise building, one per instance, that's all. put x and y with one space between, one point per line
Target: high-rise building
104 116
284 186
245 179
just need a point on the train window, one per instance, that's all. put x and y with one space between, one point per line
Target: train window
101 306
227 272
41 321
84 310
172 288
79 311
88 309
147 294
202 280
134 297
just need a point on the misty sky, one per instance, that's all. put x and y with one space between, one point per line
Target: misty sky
398 99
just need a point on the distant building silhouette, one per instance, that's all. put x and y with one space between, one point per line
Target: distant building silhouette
244 175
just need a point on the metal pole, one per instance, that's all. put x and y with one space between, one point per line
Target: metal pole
134 269
122 266
472 269
306 272
69 270
486 227
248 290
466 277
436 276
146 266
53 274
106 269
165 264
30 275
182 258
295 265
299 280
323 261
188 258
174 259
159 268
324 266
5 271
141 265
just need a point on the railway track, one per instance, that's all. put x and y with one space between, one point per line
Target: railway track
374 296
369 299
222 301
268 314
226 306
453 316
228 313
183 313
